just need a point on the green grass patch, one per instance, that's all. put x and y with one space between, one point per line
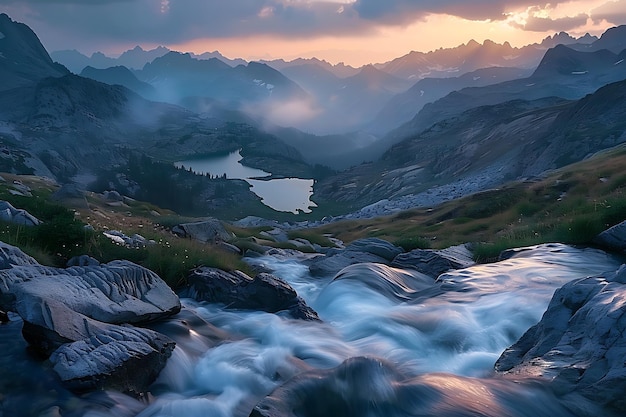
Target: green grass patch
414 242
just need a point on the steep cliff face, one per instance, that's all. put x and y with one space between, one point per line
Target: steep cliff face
23 59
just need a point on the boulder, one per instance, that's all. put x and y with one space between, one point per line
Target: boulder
276 234
614 238
10 214
135 241
435 262
210 231
369 386
116 292
112 196
375 246
80 316
237 290
580 342
83 260
122 358
11 256
371 250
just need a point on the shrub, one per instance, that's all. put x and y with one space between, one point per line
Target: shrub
414 242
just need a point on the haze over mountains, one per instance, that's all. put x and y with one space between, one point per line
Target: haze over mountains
434 118
341 99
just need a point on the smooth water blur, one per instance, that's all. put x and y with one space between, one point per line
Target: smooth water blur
282 194
458 325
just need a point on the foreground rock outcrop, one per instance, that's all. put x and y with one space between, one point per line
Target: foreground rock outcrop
122 358
580 343
264 292
81 316
369 386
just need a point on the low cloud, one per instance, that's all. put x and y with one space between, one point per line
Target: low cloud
612 11
296 112
93 23
546 24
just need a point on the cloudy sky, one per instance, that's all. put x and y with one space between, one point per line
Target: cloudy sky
352 31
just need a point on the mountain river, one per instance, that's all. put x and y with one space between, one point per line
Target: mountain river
438 345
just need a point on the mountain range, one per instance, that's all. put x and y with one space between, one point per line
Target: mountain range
341 99
475 130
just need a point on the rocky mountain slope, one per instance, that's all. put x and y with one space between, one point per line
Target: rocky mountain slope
404 106
23 59
488 145
563 72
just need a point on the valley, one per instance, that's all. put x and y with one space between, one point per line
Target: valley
440 234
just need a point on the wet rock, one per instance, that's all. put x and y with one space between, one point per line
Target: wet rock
121 358
614 238
580 342
375 246
80 315
371 250
435 262
366 386
395 284
264 292
211 231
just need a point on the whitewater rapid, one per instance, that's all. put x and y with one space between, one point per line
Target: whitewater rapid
445 332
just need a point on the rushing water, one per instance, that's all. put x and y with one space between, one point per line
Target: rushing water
444 342
283 194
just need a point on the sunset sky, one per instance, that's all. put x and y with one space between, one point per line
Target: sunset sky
352 31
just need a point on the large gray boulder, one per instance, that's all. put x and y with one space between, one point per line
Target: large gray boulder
121 358
210 231
371 250
117 292
264 292
80 315
580 342
613 238
435 262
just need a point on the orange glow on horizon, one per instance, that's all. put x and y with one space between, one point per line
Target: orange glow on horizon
436 31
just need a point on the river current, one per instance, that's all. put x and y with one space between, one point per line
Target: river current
444 340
